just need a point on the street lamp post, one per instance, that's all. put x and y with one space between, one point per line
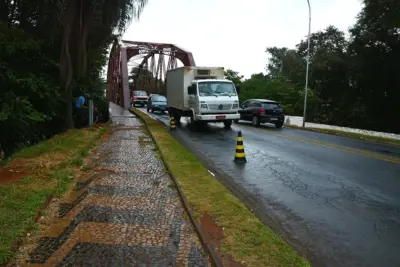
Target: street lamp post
308 63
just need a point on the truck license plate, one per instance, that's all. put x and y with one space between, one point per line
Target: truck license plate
274 119
220 117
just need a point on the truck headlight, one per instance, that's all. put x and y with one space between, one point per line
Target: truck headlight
235 105
203 106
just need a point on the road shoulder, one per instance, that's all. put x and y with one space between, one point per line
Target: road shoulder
234 229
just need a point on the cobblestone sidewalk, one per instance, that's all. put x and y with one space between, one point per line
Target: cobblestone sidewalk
128 215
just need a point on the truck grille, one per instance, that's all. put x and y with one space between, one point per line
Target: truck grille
217 106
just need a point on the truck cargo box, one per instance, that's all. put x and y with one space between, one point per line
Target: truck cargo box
179 79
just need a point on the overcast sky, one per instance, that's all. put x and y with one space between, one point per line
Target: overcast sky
232 34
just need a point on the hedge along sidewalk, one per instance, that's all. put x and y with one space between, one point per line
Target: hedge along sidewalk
246 238
45 170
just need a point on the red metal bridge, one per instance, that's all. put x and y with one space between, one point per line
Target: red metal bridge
148 75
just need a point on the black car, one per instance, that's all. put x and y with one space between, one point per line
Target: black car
157 103
262 111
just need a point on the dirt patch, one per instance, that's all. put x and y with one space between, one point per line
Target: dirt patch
47 161
216 234
10 174
20 168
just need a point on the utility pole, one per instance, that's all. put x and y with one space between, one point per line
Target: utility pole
308 63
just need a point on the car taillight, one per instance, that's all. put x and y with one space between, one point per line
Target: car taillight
261 110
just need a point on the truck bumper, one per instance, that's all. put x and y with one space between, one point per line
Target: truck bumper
216 117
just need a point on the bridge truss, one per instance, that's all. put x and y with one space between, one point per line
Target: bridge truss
149 75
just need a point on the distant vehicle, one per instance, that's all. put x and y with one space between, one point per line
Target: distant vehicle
157 103
139 97
261 111
202 94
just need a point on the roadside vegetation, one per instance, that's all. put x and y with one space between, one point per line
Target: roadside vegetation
36 174
353 81
245 237
51 52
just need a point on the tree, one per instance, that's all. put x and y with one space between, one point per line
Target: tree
81 19
329 75
284 62
233 76
375 55
50 51
29 93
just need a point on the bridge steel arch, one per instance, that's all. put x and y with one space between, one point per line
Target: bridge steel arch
118 90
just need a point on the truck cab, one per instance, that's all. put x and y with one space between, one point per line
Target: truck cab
213 100
202 94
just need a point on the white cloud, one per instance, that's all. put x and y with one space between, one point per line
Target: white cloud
234 35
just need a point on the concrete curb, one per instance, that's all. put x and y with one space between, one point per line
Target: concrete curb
200 231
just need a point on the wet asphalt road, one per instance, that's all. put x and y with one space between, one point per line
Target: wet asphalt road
336 197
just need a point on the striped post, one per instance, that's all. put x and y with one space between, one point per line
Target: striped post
240 156
172 123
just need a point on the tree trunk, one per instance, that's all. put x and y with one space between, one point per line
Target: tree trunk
66 70
69 122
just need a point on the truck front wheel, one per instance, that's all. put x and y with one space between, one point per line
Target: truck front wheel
228 123
177 118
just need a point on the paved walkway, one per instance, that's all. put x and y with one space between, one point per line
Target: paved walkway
128 214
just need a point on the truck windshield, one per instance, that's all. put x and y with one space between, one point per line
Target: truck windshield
216 88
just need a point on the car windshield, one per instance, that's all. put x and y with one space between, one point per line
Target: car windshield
216 88
141 93
158 98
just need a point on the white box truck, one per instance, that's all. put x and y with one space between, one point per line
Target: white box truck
202 94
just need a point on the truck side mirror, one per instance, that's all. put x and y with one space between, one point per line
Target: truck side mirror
191 90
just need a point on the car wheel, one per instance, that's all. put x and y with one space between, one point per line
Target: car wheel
148 109
236 121
228 124
255 121
152 110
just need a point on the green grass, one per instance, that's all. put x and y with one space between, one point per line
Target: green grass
246 238
349 134
21 201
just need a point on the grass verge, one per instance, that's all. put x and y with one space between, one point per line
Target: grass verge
349 134
246 238
48 170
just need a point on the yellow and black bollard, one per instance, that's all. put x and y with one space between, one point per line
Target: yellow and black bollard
172 123
240 156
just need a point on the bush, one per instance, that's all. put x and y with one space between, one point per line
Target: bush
29 95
